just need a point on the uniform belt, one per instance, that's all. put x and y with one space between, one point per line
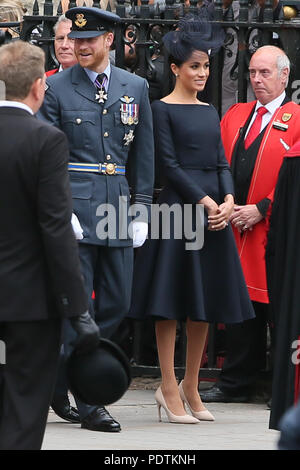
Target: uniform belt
102 168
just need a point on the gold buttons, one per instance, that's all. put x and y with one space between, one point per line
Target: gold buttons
106 134
78 121
104 111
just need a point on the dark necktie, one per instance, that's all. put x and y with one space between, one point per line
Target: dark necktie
101 94
99 81
255 128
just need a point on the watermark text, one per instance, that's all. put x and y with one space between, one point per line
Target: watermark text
176 221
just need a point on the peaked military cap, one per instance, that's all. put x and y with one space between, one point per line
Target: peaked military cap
90 22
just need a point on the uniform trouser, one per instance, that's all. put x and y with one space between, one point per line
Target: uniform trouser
108 273
245 353
26 381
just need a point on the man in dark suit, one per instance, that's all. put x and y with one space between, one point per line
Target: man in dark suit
106 115
64 53
40 276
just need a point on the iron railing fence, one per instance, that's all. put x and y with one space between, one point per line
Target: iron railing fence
147 23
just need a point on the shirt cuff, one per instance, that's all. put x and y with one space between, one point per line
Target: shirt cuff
263 206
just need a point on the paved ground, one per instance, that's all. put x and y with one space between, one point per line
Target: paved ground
237 427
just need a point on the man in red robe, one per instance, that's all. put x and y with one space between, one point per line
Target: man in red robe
256 136
63 45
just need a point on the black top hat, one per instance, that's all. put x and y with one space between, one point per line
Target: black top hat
90 22
100 377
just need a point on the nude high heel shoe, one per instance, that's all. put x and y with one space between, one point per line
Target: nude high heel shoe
203 415
184 419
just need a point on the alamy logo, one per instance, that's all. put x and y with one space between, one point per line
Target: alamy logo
2 91
296 353
296 94
179 222
2 352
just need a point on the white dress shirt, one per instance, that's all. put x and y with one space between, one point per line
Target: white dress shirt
271 107
15 104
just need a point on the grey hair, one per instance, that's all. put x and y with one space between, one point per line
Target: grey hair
61 19
283 62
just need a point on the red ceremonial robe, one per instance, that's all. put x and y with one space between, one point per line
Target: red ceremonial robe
251 244
51 72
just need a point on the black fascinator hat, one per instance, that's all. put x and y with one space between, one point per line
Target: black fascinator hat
194 32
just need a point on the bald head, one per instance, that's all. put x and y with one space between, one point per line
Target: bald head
269 72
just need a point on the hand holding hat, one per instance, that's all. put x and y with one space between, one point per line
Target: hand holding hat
88 333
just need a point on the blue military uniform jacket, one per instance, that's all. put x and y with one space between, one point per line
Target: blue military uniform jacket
97 134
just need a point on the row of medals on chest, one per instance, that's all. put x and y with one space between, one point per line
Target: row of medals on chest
129 112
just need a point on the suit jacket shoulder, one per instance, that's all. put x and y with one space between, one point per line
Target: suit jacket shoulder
37 245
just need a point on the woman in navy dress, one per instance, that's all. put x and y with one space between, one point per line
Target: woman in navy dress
173 283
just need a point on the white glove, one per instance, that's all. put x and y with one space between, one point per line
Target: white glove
140 232
78 232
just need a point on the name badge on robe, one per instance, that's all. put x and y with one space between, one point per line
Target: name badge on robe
280 126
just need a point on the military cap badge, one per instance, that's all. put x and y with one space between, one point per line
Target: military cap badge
80 20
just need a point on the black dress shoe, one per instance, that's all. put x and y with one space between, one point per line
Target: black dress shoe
65 411
100 420
216 395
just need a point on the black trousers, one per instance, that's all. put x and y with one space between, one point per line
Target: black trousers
108 272
245 353
27 380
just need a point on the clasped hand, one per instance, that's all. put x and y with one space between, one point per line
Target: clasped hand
245 217
218 216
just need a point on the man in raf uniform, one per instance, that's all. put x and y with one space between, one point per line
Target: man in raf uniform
106 115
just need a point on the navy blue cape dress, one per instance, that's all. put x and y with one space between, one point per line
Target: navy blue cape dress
171 282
